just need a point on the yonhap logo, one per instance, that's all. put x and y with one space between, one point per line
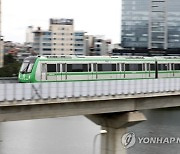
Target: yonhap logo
128 140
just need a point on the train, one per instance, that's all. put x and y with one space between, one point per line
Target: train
64 68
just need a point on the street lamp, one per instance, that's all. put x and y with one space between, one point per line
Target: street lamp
95 138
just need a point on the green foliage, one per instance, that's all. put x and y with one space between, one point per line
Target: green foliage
11 67
9 59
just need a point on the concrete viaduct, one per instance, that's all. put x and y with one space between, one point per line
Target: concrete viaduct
115 105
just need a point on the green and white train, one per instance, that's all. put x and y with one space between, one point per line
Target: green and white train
89 68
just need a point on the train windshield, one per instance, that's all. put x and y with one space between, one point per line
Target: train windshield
27 65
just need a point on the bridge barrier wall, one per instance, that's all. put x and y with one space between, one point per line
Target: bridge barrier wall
50 90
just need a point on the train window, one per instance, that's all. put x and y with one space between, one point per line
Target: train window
106 67
176 66
58 67
63 67
162 67
77 67
152 67
117 67
89 67
133 67
30 67
114 68
51 67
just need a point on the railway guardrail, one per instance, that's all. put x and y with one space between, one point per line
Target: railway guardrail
53 90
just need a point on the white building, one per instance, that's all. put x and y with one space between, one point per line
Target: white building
62 36
98 45
29 35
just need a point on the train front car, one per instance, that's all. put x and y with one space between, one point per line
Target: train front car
26 73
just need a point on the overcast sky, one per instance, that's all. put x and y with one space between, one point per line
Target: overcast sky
97 17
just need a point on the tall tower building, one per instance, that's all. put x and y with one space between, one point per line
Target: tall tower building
62 36
151 24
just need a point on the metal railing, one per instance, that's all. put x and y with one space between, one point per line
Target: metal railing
8 79
52 90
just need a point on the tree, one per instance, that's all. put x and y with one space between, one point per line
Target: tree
11 67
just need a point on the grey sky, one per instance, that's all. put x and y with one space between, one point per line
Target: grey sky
97 17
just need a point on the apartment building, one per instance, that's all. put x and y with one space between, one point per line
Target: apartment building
62 36
42 43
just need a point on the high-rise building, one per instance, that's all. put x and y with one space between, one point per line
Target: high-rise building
79 43
62 36
151 24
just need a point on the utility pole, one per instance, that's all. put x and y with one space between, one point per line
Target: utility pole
1 42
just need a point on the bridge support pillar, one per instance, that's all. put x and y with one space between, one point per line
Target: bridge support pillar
116 125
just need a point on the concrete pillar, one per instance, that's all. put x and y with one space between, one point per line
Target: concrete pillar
116 125
111 142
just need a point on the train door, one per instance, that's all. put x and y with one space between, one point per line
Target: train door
94 71
144 70
151 68
118 69
171 70
123 70
175 70
63 71
89 72
43 72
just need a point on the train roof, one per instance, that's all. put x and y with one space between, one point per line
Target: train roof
91 57
113 58
106 57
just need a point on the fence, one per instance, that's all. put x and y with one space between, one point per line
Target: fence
52 90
